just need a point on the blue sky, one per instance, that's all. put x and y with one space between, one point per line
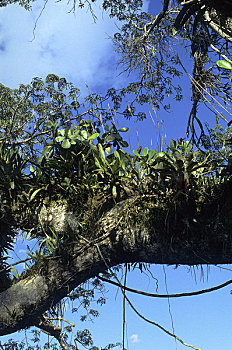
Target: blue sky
73 46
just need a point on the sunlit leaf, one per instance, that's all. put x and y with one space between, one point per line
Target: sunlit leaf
224 64
174 31
84 134
66 143
35 193
93 136
114 191
117 154
15 272
136 153
145 152
59 138
108 150
61 132
123 129
152 154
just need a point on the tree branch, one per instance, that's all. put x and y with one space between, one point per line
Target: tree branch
51 278
156 20
178 295
216 27
219 52
49 328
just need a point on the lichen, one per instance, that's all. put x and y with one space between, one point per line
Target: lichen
54 216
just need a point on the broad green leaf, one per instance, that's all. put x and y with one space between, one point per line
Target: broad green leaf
161 154
84 134
124 143
224 64
152 155
115 166
32 170
110 137
61 132
79 137
72 137
136 153
59 138
97 162
145 152
66 144
107 127
93 136
12 185
123 129
118 137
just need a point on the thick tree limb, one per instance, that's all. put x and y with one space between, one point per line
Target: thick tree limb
158 241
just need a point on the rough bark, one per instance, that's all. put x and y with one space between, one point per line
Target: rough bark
207 241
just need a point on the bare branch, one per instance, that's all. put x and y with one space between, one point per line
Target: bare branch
178 295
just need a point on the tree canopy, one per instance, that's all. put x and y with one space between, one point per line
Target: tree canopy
68 181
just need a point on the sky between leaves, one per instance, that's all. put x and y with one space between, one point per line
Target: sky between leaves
72 46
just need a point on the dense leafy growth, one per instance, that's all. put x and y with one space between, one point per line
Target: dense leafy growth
67 178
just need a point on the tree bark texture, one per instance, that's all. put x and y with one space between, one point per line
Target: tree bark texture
168 237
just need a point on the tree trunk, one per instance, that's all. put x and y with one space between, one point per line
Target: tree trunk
178 235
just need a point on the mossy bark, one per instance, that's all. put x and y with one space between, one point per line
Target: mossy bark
132 231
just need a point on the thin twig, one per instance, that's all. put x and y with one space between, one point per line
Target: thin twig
169 304
218 51
124 313
34 29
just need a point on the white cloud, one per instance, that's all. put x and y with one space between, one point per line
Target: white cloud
134 338
69 45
